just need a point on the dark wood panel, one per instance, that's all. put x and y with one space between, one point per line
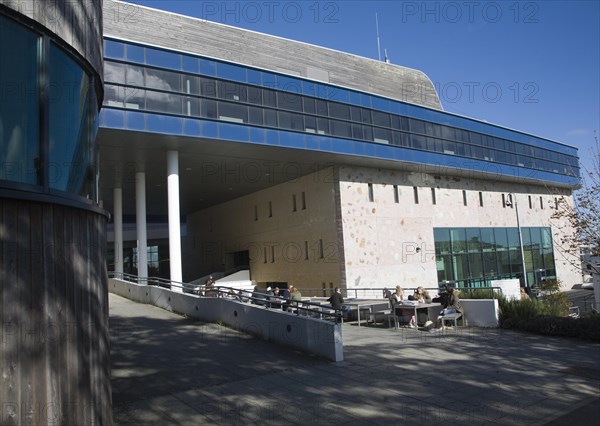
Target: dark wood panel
54 304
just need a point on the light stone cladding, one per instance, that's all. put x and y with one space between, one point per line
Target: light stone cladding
136 23
367 244
299 247
380 238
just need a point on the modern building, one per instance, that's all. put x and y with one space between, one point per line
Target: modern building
212 149
310 166
54 356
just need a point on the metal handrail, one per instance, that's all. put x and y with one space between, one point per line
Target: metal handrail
243 296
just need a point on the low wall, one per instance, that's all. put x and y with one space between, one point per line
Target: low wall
481 312
322 338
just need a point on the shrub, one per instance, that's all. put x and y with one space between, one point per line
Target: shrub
547 316
477 293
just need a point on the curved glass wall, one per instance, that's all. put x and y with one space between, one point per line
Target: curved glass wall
203 88
68 126
19 104
475 256
58 119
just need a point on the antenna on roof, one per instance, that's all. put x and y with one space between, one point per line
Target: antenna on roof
377 29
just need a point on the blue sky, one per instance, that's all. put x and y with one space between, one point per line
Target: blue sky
533 66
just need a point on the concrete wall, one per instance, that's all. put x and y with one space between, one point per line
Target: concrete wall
150 26
322 338
481 312
299 247
381 238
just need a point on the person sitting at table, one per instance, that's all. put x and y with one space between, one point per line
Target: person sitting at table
276 299
451 304
421 295
337 302
397 298
296 296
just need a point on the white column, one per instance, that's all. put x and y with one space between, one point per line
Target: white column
174 219
118 227
140 213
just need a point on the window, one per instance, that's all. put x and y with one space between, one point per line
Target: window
232 91
464 193
541 203
503 201
303 196
380 118
339 111
270 209
396 194
480 199
416 194
433 199
163 80
294 207
19 132
68 124
530 203
289 101
370 190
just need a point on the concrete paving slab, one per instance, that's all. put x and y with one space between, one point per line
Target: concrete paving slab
170 370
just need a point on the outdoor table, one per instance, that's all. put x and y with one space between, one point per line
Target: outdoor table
416 306
365 303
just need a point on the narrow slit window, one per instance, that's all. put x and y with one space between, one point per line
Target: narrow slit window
272 254
303 201
396 194
556 203
541 203
464 198
270 209
433 199
530 202
371 198
416 194
480 199
294 207
503 201
305 250
255 212
321 250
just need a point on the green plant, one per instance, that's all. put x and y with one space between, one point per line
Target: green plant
477 293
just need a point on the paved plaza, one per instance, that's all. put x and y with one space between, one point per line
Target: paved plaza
170 370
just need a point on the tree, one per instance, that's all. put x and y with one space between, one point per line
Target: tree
580 221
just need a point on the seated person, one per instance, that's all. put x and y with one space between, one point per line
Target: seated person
295 296
276 299
337 301
421 295
451 304
397 298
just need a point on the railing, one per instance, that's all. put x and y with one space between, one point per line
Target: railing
305 308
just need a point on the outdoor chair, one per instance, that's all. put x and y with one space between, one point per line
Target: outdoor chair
452 318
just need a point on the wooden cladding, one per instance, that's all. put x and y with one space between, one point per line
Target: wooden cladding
55 356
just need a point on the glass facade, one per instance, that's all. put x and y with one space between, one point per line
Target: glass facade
66 103
473 257
69 124
146 79
19 104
